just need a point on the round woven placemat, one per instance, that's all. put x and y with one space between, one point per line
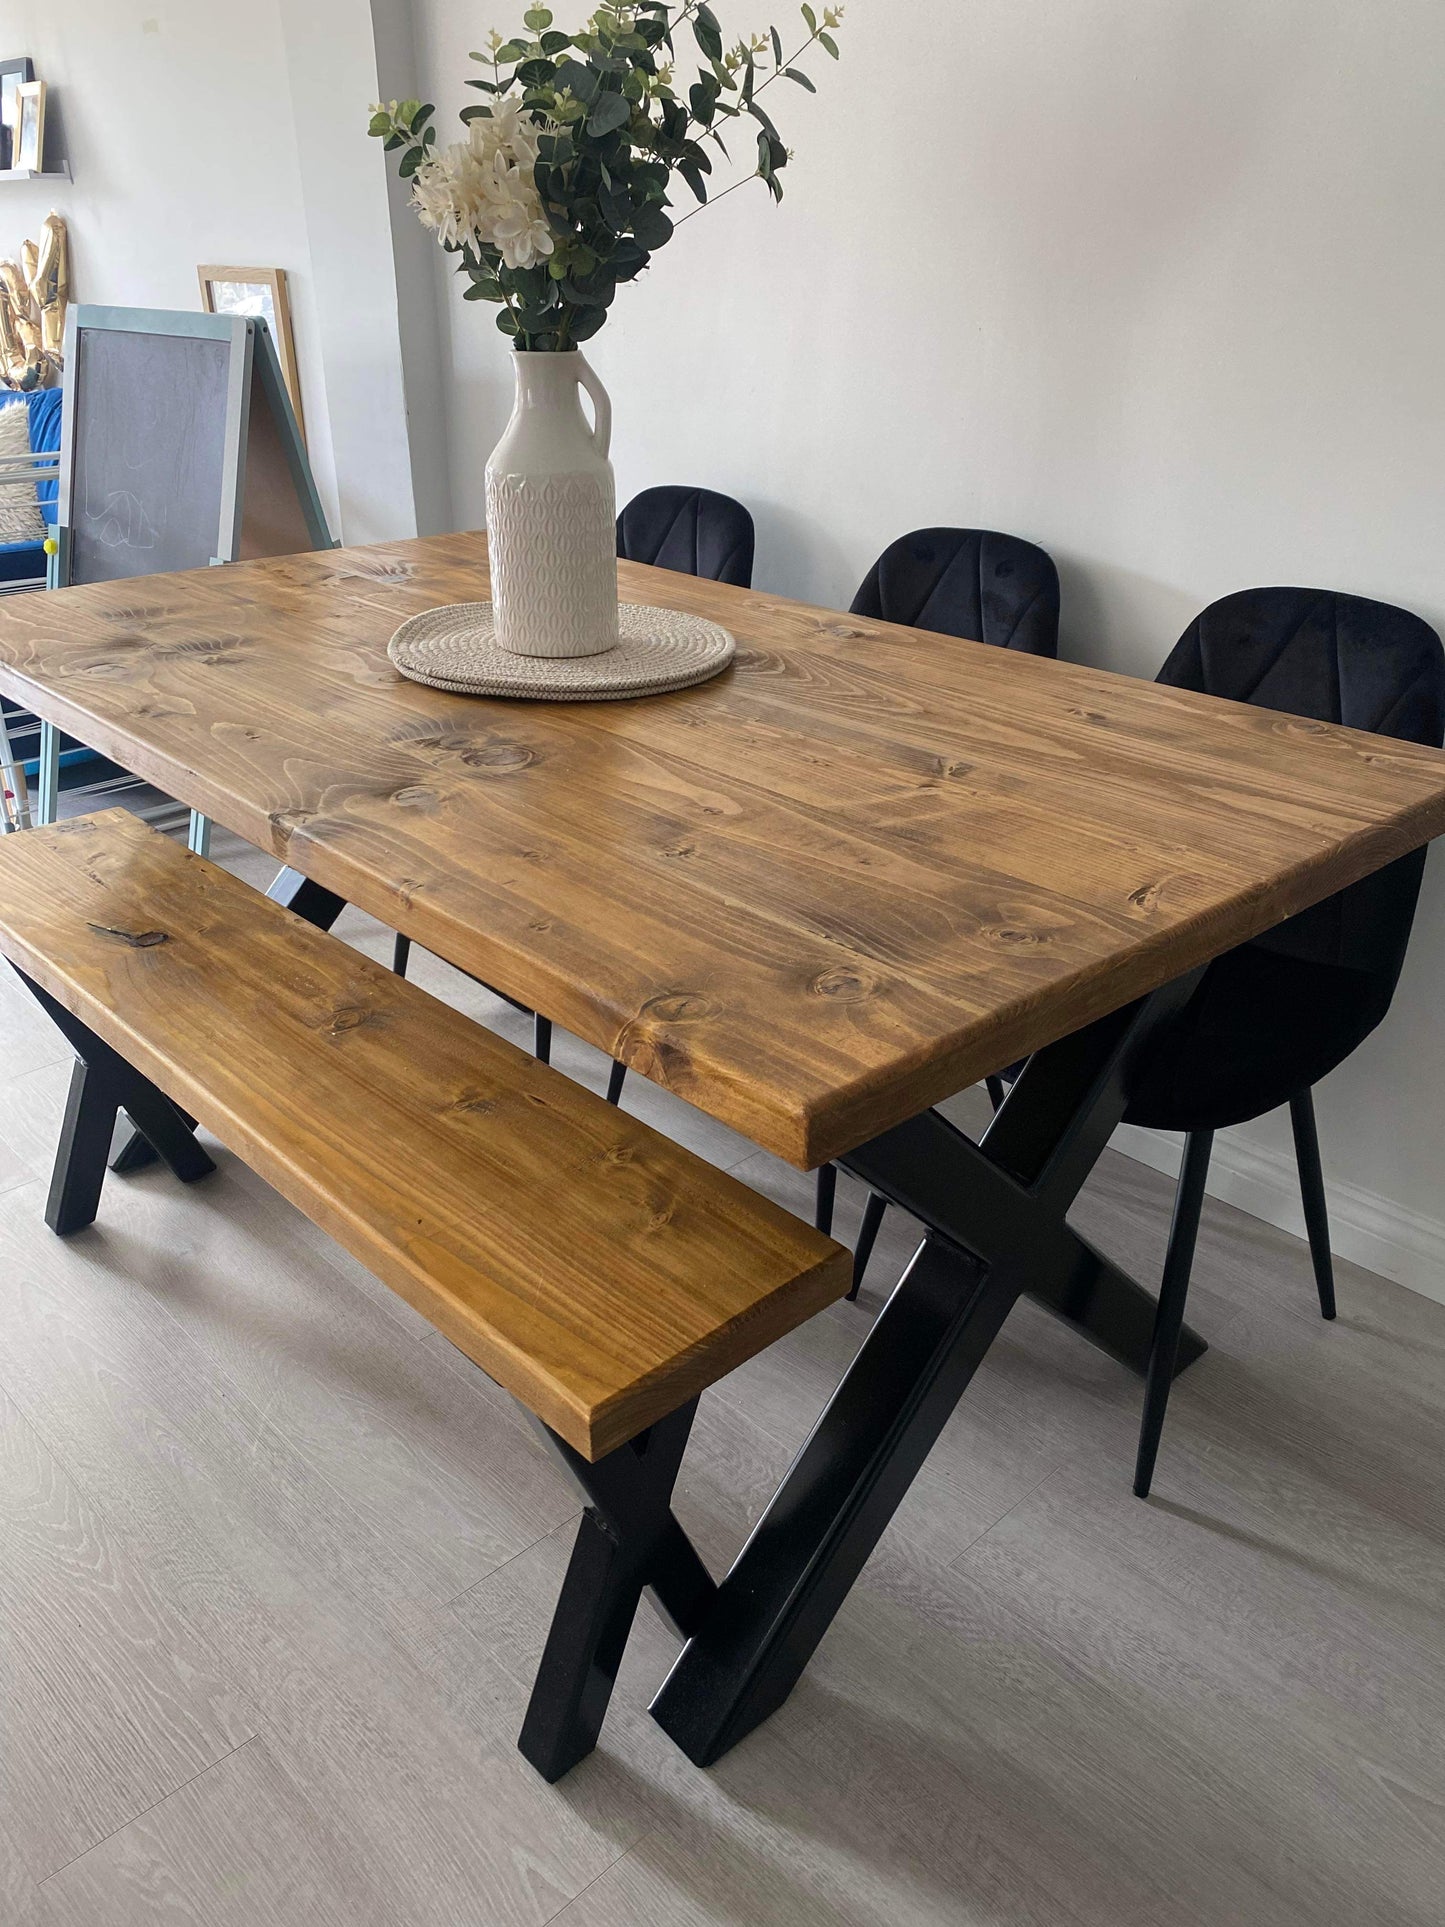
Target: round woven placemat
455 648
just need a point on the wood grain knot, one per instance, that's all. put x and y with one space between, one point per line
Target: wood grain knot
1005 933
473 1104
844 985
135 939
204 648
681 1007
354 1017
1147 896
500 759
1089 715
415 796
135 612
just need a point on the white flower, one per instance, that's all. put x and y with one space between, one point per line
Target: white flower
481 193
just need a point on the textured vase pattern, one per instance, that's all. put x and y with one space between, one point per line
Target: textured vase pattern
553 549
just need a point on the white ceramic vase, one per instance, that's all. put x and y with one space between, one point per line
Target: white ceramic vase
552 514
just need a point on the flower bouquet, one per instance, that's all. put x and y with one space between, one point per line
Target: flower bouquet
562 192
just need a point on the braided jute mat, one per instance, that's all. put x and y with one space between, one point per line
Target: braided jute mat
455 648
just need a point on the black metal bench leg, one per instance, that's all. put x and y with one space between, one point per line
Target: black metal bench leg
400 954
616 1078
101 1084
1173 1291
628 1541
80 1156
310 902
542 1038
1312 1190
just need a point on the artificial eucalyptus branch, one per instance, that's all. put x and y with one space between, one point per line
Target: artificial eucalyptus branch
561 190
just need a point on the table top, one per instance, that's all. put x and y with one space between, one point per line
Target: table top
861 869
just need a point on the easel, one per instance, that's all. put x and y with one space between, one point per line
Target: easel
267 494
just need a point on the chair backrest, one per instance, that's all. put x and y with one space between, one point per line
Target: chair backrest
976 583
1335 659
690 530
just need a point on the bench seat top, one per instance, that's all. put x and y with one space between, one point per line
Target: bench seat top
603 1274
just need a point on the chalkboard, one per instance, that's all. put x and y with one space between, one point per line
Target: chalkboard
148 458
179 447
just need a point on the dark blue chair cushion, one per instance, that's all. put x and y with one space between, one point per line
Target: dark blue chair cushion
690 530
1276 1015
975 583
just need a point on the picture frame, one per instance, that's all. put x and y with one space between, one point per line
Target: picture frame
258 291
12 74
28 139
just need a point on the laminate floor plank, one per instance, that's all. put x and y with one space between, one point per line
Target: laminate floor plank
194 1859
110 1700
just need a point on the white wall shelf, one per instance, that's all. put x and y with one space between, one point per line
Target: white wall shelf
61 173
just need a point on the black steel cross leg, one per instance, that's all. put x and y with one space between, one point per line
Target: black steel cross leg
628 1540
310 902
101 1083
996 1227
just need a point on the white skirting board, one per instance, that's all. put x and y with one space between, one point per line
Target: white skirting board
1399 1244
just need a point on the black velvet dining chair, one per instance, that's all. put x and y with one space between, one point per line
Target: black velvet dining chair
976 583
691 530
1270 1019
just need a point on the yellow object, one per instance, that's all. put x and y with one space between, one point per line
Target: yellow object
51 546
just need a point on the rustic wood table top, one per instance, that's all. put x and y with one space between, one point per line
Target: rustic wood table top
860 870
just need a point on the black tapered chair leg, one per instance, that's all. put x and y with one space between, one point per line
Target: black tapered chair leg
1312 1189
616 1078
873 1213
400 954
542 1038
827 1195
1173 1291
996 1091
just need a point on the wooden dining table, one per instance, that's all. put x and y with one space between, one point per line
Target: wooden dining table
862 869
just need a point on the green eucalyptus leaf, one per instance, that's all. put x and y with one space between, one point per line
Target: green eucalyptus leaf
610 113
777 40
828 44
802 79
651 227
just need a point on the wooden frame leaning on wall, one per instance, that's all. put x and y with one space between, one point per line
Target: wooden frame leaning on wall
260 284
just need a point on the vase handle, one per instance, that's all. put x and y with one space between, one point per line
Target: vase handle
601 404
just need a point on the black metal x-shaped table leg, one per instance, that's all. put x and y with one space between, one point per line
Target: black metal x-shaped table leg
628 1540
995 1221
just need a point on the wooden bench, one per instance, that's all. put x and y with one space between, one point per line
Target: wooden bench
604 1275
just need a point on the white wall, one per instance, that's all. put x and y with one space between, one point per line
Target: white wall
1160 286
181 121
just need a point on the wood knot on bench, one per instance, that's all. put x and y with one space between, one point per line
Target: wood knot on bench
136 939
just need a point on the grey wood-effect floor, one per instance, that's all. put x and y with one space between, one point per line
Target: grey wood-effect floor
276 1565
